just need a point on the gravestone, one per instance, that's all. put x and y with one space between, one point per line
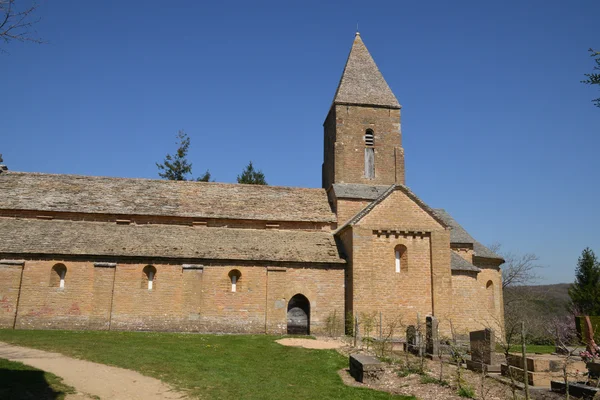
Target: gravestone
483 352
432 341
413 340
482 346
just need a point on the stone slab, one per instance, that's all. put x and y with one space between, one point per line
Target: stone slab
575 389
480 367
543 363
366 369
533 378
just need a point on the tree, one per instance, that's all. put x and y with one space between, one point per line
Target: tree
204 177
517 270
585 292
176 167
252 176
593 78
16 23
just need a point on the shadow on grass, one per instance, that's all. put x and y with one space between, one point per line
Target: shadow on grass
19 384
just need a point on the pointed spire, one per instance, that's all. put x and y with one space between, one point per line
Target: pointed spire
361 82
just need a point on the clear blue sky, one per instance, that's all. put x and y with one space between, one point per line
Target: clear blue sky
497 128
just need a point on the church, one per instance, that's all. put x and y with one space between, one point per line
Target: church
85 252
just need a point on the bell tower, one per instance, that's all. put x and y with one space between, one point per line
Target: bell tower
363 141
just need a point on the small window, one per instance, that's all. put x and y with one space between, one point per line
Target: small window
489 288
57 277
369 138
401 258
148 277
234 277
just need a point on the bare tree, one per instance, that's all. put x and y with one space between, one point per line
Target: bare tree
517 270
17 20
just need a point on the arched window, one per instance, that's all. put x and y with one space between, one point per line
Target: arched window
401 256
57 276
148 277
489 289
369 138
234 277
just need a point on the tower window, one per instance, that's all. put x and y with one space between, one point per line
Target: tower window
369 137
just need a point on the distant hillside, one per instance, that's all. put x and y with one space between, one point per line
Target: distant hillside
551 299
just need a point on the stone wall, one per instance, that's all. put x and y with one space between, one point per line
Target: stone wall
476 303
10 280
348 208
183 297
344 160
376 285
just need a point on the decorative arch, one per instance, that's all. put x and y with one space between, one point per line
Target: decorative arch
57 276
298 315
401 258
234 277
149 277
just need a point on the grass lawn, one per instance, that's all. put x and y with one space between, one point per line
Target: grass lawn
533 348
19 381
209 366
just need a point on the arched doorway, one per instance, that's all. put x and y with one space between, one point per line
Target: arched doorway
298 315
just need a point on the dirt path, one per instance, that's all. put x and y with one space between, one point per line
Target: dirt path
311 343
91 379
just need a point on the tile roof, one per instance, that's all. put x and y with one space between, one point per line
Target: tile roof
457 263
459 235
90 194
358 191
362 82
79 238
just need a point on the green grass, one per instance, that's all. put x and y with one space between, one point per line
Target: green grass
19 381
210 366
533 348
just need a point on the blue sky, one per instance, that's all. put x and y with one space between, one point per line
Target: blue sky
497 128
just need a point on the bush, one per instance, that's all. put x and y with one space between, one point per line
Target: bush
426 379
409 369
466 391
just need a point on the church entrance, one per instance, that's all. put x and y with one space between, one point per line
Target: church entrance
298 316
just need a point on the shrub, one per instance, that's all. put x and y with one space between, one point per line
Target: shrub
466 391
426 379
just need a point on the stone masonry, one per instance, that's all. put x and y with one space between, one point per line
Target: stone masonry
82 252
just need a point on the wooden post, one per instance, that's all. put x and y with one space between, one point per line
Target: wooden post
380 327
523 352
355 328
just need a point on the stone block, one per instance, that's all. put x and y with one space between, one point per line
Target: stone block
366 369
575 389
533 378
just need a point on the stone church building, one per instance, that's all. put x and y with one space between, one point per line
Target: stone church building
83 252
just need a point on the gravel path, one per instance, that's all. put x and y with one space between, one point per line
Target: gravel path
91 379
311 343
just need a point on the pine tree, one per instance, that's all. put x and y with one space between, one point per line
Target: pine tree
204 177
594 78
252 176
176 167
585 292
